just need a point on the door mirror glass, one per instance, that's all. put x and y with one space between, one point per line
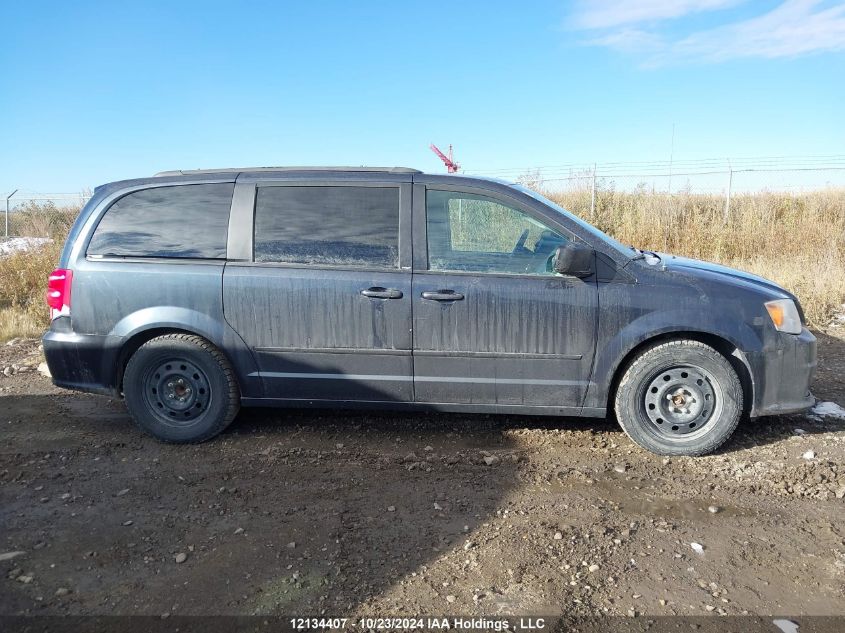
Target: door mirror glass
575 260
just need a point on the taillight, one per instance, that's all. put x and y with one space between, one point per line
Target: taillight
58 291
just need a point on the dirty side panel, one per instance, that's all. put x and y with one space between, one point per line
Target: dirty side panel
511 340
118 298
108 292
315 335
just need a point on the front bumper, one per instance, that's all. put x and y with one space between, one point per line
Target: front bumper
782 373
82 362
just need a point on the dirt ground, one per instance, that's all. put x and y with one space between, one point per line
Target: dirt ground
350 513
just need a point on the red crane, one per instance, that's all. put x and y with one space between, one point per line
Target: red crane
448 160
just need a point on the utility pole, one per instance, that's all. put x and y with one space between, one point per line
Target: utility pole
728 198
7 210
593 194
671 157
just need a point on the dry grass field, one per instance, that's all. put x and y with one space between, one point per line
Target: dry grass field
797 240
23 275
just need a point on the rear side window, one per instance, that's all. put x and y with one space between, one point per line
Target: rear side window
189 221
332 226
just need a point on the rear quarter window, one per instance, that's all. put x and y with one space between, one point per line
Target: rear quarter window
329 226
187 221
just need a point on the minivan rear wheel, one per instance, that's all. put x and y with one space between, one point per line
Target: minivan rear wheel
680 397
179 388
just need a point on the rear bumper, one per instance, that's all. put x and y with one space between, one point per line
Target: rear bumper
82 362
782 374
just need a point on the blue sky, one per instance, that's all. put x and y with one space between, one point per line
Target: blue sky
97 91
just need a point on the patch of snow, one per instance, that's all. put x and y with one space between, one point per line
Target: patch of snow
839 318
828 409
19 244
787 626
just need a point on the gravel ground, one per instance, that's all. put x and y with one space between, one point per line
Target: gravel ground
348 513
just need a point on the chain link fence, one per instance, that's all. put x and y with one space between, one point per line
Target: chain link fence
39 214
585 189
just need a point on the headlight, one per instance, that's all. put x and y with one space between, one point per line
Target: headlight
784 315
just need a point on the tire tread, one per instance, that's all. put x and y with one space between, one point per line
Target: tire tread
231 395
672 346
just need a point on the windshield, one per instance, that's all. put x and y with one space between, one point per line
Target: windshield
625 251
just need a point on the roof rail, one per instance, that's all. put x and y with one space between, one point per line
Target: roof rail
237 170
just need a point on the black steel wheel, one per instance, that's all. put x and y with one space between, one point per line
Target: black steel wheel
681 397
680 400
177 391
180 388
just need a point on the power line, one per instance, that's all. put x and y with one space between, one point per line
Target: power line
698 173
784 162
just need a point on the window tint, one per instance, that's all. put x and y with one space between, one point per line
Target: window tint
338 226
177 221
479 234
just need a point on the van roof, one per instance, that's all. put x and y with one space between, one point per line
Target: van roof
253 174
239 170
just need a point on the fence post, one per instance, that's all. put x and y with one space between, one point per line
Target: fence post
728 199
7 211
593 194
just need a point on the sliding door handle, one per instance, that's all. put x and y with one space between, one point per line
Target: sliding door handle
377 292
442 295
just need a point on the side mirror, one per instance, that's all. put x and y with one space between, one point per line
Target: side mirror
574 260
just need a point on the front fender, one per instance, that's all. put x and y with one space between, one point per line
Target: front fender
614 346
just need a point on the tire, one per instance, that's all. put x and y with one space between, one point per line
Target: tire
180 389
681 397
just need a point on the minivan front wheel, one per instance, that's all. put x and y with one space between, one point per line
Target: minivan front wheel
181 389
681 397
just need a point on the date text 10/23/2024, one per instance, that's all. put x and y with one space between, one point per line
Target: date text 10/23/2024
419 623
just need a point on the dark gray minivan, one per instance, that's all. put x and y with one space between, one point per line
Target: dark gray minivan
194 292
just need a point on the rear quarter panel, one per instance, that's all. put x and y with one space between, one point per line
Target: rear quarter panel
119 299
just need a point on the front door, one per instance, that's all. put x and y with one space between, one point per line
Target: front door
492 323
325 305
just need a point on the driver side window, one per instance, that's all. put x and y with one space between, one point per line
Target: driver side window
472 233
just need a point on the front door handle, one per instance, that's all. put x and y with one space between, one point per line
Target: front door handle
377 292
442 295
